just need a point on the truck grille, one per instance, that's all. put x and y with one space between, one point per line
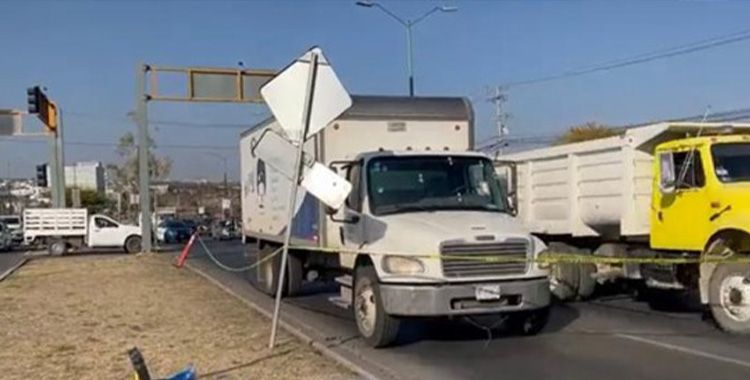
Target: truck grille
472 266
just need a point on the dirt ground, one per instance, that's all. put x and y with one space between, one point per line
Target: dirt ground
76 317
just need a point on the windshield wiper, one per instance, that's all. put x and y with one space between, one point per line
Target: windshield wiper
395 209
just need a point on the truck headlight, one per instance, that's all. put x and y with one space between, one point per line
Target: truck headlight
402 265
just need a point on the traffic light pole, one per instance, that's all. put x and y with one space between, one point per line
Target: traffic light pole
60 161
52 169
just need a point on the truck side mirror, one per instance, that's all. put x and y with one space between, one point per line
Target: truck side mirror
512 204
667 177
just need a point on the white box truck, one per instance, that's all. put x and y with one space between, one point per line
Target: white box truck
662 191
64 229
421 210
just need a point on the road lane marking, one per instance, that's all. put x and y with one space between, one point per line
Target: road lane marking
684 350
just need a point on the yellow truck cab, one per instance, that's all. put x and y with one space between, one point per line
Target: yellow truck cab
669 190
701 203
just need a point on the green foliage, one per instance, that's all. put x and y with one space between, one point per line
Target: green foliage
92 200
585 132
124 176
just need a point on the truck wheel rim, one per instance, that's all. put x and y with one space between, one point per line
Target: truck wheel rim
366 309
735 297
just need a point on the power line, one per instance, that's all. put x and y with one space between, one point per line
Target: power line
673 51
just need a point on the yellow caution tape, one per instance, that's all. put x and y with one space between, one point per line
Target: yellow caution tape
548 257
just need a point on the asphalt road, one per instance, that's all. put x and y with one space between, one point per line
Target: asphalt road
8 260
612 338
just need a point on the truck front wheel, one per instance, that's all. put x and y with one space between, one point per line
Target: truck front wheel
376 327
729 297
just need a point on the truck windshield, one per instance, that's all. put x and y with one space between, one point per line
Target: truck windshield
430 183
732 161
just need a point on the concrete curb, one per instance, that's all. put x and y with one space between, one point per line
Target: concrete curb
14 268
299 333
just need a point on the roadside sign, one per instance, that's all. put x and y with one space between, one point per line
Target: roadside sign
286 94
326 185
278 153
304 98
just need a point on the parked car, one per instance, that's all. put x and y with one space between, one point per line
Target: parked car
14 223
5 237
192 225
172 231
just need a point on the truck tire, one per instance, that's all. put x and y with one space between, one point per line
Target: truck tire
268 272
530 322
586 280
57 247
564 277
729 297
133 244
376 327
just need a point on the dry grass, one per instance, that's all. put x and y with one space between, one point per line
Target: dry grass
76 317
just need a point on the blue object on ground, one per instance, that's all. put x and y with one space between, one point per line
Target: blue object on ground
186 374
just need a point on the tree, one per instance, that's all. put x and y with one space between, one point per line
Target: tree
589 131
92 200
124 176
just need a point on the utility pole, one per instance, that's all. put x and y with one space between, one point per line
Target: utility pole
501 118
141 120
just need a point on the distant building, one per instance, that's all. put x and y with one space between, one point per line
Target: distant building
85 176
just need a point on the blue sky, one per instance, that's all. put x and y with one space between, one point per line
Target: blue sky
85 53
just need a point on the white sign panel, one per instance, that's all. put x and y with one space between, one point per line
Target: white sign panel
326 185
278 153
285 95
10 122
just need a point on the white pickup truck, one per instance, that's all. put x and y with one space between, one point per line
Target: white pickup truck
422 213
62 229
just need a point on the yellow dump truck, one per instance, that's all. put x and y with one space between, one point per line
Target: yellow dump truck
675 191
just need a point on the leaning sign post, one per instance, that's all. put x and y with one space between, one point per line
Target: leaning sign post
304 98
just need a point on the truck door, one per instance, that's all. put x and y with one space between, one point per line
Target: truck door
681 210
506 176
352 228
104 233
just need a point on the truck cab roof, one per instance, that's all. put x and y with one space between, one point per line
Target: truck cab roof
411 153
692 142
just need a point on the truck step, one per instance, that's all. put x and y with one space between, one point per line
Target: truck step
341 302
345 280
344 299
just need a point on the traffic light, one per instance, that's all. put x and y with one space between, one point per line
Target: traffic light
45 109
41 175
34 98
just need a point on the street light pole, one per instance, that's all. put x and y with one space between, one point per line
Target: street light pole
410 59
224 160
409 25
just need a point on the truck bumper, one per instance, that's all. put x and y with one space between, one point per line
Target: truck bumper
460 299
